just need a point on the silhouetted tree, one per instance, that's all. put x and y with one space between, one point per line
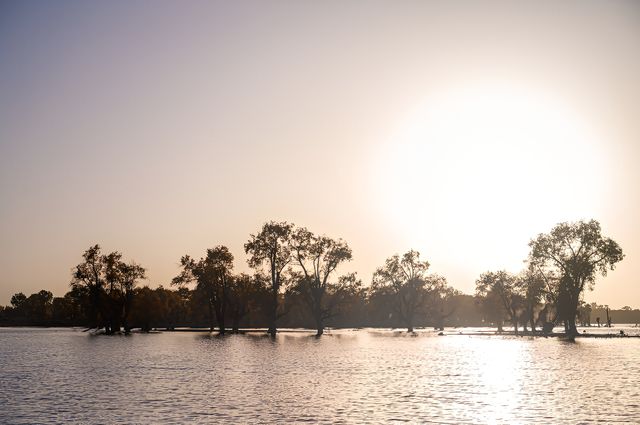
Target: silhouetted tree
578 253
90 275
318 257
106 282
212 275
271 247
245 295
442 300
64 311
404 282
584 314
502 285
531 285
147 309
349 299
17 300
39 306
128 276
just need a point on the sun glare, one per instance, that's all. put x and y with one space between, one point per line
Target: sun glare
478 170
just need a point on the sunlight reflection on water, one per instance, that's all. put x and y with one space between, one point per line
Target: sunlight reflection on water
56 375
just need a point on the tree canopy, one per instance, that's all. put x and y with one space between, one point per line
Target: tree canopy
577 252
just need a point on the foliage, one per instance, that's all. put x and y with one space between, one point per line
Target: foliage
318 257
576 253
410 291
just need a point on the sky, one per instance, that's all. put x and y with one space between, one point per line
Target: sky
460 129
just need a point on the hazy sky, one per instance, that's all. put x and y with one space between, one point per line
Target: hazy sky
460 129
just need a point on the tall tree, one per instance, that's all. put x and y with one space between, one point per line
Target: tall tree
405 282
531 285
129 274
578 253
318 257
212 276
108 283
271 246
440 300
90 275
504 287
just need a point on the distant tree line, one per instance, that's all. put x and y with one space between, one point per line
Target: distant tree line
295 283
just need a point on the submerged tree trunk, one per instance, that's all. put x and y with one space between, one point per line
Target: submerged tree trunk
440 321
211 324
319 322
410 324
274 313
572 314
221 325
125 314
532 321
235 324
316 308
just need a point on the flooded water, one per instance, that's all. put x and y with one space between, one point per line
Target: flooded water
364 376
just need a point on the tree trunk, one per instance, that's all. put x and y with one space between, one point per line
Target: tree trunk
274 313
236 323
316 306
211 324
220 319
572 314
319 323
125 315
533 322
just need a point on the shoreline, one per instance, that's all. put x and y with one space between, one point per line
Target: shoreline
490 332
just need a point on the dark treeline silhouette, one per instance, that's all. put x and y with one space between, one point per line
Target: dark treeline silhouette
295 283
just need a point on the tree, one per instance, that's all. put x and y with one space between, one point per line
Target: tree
90 275
244 295
271 246
531 285
439 296
35 309
212 275
404 281
318 257
106 282
578 253
129 274
146 309
17 300
38 307
348 302
503 286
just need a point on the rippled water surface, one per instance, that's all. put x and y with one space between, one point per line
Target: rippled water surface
365 376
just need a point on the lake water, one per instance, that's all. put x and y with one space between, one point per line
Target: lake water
364 376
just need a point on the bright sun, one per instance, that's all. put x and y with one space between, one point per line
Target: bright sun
475 172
